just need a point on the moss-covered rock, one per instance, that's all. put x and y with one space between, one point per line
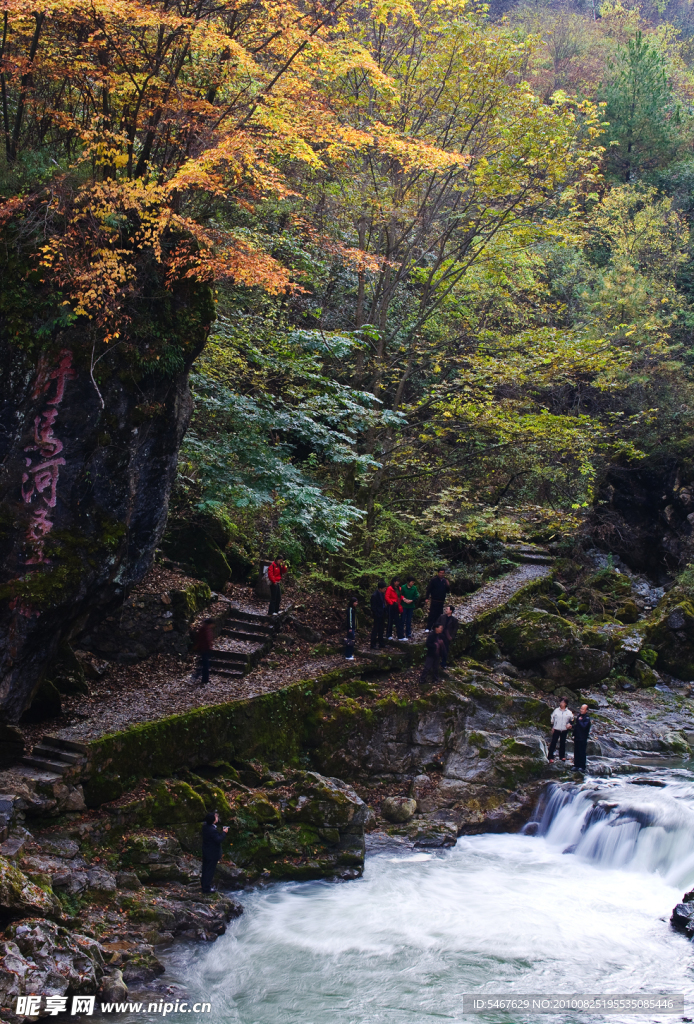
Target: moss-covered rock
398 808
535 635
569 695
581 667
610 582
644 675
485 648
161 802
20 897
206 545
627 612
671 633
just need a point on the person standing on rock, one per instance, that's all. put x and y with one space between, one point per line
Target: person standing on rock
581 731
450 628
351 637
275 571
561 723
410 596
434 645
394 602
436 593
204 640
212 840
379 610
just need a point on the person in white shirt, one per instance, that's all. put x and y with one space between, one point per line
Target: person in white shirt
561 723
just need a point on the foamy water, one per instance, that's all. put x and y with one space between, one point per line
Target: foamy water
497 913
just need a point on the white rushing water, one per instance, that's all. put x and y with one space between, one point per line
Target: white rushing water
583 905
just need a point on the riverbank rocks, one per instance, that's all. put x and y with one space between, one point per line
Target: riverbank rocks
113 988
40 957
156 858
398 808
532 636
20 896
298 824
682 919
306 826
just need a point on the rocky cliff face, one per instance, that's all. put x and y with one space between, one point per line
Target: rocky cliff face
88 458
645 514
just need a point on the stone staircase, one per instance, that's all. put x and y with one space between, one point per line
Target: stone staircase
529 554
55 755
42 783
252 628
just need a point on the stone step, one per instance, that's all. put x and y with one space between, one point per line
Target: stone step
236 657
227 671
51 753
269 620
58 741
57 767
253 638
532 559
256 627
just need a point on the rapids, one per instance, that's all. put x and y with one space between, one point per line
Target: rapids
578 903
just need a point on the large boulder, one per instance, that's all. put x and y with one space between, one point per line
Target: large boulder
671 633
533 636
315 831
19 896
581 667
161 802
398 808
682 919
206 544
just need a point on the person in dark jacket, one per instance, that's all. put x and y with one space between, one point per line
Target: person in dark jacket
379 609
275 571
351 629
436 593
212 840
450 628
434 644
581 731
204 640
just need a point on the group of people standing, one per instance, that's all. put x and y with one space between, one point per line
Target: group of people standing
563 722
393 605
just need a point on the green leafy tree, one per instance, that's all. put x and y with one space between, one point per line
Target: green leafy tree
647 122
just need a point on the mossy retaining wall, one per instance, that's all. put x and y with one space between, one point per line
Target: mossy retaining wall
276 728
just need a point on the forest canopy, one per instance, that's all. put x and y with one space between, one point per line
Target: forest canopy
449 247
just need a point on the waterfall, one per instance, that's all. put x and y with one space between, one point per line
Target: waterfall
578 902
635 824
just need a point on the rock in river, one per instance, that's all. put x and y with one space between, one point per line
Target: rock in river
398 808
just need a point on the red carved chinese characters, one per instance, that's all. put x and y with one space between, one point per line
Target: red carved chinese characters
40 480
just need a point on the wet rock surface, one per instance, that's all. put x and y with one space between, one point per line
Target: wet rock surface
80 930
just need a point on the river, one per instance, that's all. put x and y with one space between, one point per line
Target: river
581 905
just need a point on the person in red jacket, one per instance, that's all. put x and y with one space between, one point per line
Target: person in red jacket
395 606
276 570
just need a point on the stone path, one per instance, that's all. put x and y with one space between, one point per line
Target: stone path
500 591
175 695
493 594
